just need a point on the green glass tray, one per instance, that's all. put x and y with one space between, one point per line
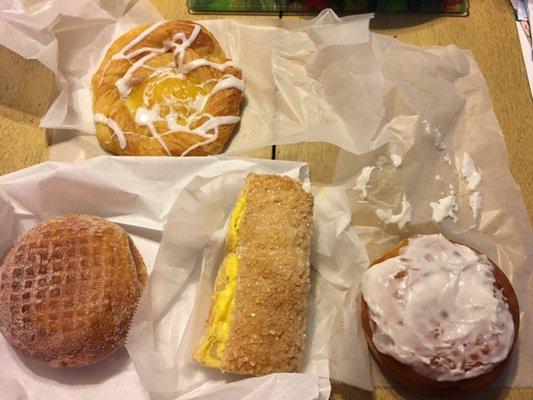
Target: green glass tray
456 7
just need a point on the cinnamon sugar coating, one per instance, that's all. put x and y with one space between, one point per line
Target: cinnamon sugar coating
269 321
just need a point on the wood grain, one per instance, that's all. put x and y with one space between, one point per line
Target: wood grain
27 90
22 103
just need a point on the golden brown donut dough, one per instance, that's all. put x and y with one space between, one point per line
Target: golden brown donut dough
139 139
411 379
68 290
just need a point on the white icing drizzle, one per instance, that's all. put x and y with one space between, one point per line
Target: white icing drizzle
122 53
445 208
404 217
171 120
184 42
102 119
179 42
396 160
438 178
213 123
199 103
201 62
447 159
362 180
228 82
435 308
145 116
123 83
435 134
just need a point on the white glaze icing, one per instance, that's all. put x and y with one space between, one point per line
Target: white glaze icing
470 173
123 83
472 176
445 208
474 200
171 119
121 54
396 160
121 137
447 159
434 307
201 62
435 134
199 102
214 124
179 42
438 178
401 219
184 42
228 82
147 117
362 180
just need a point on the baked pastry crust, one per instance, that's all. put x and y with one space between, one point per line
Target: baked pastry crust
68 290
116 127
418 383
269 319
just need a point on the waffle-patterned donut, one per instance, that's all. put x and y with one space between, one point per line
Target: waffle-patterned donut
166 89
68 290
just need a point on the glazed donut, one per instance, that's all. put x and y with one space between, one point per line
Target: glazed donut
166 89
438 317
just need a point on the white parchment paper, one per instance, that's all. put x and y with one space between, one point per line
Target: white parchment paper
291 70
338 83
440 90
172 316
177 209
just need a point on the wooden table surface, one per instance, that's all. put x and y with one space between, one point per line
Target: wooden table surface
27 89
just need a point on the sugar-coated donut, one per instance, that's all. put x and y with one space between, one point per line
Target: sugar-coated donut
68 290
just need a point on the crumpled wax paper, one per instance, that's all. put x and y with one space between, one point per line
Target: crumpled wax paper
171 318
137 196
176 211
427 92
305 81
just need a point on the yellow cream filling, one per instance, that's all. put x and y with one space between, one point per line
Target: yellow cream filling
171 93
214 343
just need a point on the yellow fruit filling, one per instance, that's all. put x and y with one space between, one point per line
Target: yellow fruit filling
213 343
170 92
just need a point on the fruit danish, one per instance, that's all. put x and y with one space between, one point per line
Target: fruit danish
439 317
166 89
